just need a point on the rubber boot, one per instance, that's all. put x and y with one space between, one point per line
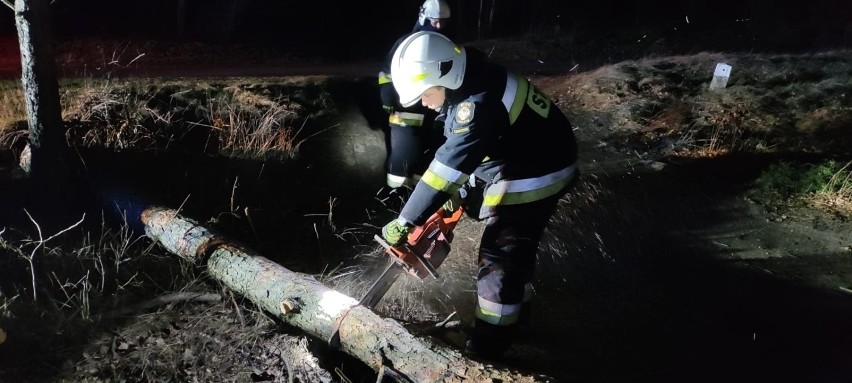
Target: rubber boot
526 313
489 341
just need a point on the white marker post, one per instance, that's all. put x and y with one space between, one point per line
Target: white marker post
720 76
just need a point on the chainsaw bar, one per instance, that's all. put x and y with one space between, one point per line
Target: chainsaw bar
394 268
381 286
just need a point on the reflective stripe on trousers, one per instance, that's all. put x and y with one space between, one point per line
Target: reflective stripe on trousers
502 314
406 119
396 181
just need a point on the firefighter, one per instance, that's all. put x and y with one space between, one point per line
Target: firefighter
509 149
410 138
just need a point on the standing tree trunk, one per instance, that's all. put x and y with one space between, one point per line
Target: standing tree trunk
305 303
479 21
180 21
491 16
41 89
231 20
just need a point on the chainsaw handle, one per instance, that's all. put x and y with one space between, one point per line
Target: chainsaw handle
427 245
448 222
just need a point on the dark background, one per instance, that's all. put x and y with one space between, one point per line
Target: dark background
363 29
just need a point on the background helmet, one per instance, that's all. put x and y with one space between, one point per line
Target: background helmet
433 9
423 60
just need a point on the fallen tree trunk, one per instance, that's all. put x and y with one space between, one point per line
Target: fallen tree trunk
303 302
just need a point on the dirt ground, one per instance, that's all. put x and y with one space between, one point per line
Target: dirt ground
663 264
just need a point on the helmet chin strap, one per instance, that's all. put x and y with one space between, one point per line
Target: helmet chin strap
442 111
448 97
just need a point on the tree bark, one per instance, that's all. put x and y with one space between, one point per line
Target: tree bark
41 89
303 302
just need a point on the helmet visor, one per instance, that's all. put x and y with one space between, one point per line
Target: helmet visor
410 93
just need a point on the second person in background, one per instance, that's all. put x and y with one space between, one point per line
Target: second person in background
410 135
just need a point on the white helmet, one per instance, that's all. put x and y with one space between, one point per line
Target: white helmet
433 9
423 60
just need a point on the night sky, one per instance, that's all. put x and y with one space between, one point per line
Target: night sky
356 27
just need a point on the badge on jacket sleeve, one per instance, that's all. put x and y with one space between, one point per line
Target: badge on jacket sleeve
464 113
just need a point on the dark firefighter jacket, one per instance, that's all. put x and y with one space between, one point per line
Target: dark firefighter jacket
503 131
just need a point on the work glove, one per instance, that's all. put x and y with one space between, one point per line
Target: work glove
456 200
395 232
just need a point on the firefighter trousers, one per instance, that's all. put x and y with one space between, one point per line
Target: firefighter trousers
507 259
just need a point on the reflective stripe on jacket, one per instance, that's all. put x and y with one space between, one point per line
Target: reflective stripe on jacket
513 97
513 192
444 178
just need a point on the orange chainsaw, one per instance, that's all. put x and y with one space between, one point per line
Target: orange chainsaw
427 247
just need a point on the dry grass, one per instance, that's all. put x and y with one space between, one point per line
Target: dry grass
114 117
836 194
826 186
245 121
74 278
126 115
255 134
12 108
772 103
85 274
